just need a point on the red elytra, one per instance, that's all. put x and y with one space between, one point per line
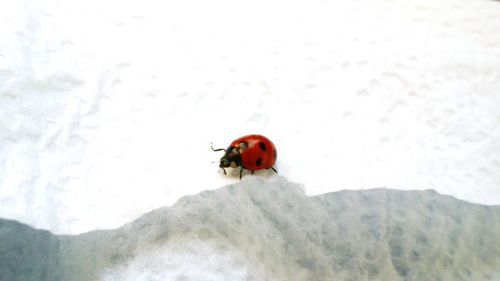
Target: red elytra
251 152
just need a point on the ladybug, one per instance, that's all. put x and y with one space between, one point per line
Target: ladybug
251 152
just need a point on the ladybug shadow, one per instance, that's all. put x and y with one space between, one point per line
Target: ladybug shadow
240 173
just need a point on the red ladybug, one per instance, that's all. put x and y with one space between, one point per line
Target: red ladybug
251 152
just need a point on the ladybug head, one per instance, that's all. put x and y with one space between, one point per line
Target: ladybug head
232 158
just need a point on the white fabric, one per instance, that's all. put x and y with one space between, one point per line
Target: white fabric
108 108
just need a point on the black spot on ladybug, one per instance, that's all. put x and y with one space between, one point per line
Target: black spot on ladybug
259 161
262 146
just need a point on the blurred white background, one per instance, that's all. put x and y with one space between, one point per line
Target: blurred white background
108 108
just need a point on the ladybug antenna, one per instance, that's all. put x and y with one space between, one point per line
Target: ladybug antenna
218 149
224 171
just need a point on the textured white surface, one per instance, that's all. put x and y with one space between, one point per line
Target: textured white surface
106 108
269 230
188 260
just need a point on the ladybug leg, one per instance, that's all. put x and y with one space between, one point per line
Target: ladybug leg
218 149
241 172
224 171
252 172
274 170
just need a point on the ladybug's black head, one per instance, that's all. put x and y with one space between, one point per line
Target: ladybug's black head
231 158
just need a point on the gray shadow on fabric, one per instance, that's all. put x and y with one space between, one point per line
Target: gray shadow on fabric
376 234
